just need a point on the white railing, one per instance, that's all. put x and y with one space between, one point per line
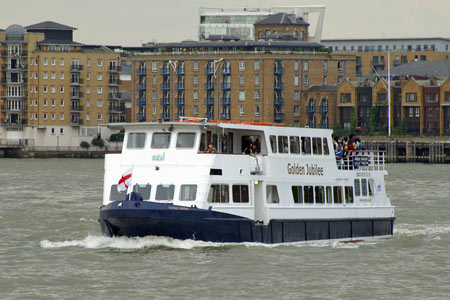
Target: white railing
363 160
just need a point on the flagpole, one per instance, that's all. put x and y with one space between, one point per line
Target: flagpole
389 94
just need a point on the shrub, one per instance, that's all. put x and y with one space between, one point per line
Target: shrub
116 137
85 145
98 141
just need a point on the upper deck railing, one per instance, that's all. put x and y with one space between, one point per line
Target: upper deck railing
363 160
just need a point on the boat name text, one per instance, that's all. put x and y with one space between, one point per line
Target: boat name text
311 170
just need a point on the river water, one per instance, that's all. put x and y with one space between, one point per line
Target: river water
51 247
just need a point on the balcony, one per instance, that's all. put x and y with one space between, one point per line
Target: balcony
140 117
114 96
209 86
20 109
278 101
165 101
311 125
114 82
76 68
116 109
4 94
16 123
76 108
278 86
209 115
179 86
76 81
141 101
310 109
9 82
141 87
209 101
165 71
76 122
141 71
114 69
226 101
226 71
77 95
180 101
179 71
278 70
165 86
323 125
6 53
376 63
209 71
323 109
226 116
278 117
226 86
165 116
15 67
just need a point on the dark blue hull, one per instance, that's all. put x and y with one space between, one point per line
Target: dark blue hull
140 218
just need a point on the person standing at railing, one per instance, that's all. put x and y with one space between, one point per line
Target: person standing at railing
339 153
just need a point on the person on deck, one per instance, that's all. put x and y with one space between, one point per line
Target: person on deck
211 149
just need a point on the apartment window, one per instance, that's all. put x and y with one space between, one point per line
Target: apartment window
61 62
61 76
256 95
195 80
100 64
53 62
35 89
45 75
431 97
256 80
296 110
61 89
241 95
53 116
88 117
340 66
154 80
411 97
154 111
256 110
296 95
88 63
411 112
256 65
325 80
305 66
154 95
340 79
417 112
195 66
88 90
241 65
45 116
241 110
447 96
36 75
99 90
296 66
305 80
99 103
53 89
346 97
241 80
195 95
61 103
99 77
45 61
88 76
296 80
45 89
325 66
195 110
99 117
53 75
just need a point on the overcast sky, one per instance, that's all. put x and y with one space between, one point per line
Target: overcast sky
132 22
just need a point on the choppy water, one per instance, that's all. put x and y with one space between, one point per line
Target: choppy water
51 247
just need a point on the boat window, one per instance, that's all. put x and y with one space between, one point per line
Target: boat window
326 150
297 193
317 146
185 140
372 189
136 140
320 194
308 193
272 194
273 143
240 193
218 193
329 196
357 188
348 194
283 144
247 141
294 143
143 190
161 140
337 194
164 192
188 192
306 145
202 146
364 186
115 195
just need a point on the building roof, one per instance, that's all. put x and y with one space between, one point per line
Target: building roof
59 42
419 68
49 25
323 88
386 39
282 19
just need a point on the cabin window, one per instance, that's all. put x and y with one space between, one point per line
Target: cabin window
248 140
357 188
273 143
294 143
115 195
317 146
136 140
308 193
272 194
188 192
143 189
161 140
337 194
164 192
326 150
306 145
320 194
240 194
185 140
218 193
348 194
372 190
283 144
364 186
297 193
329 195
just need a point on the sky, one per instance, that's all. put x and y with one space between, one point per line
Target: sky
133 22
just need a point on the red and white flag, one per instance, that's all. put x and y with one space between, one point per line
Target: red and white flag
125 181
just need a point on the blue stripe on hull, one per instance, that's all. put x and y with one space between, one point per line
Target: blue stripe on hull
147 218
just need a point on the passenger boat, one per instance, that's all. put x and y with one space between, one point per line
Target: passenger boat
164 183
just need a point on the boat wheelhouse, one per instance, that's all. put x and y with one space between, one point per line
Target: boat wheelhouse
291 189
